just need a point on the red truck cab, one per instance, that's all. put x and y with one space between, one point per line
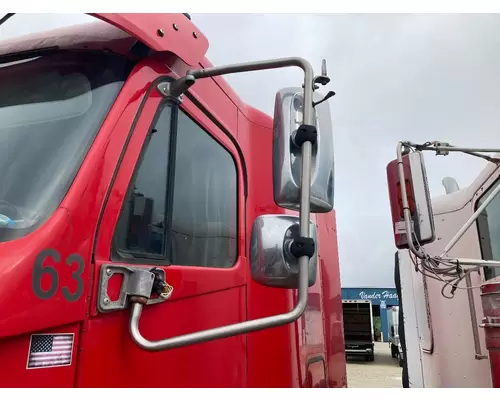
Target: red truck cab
141 214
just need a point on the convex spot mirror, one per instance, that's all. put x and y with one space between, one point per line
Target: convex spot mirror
288 116
271 261
418 197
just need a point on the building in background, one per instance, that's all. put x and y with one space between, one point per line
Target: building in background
382 300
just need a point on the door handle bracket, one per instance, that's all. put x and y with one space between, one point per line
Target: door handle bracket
138 283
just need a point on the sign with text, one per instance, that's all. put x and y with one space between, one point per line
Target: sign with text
385 295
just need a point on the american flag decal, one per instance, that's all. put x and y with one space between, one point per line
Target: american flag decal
52 350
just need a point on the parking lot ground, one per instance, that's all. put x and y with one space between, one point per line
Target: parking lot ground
384 372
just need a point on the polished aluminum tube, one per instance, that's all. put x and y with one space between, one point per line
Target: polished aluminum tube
298 310
470 221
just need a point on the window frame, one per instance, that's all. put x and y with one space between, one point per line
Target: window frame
486 271
118 254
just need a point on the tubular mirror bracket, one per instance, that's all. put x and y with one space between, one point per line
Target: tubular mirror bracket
138 284
305 133
443 148
406 206
490 322
176 89
303 246
6 17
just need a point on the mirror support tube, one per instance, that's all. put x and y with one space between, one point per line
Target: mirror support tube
302 295
406 206
470 221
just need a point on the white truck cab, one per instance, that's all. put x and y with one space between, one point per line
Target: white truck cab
445 339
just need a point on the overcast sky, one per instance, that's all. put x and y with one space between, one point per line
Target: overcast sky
397 76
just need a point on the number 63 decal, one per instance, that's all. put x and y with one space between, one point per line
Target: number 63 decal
39 270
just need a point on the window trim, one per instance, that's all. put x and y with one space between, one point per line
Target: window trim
485 270
233 140
121 255
118 254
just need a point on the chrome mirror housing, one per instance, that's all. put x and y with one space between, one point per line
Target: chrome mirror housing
288 117
271 260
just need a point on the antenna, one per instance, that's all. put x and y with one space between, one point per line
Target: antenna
322 79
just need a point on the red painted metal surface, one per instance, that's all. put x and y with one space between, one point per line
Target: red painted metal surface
309 352
163 33
13 369
490 299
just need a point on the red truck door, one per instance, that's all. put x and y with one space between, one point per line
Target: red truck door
176 203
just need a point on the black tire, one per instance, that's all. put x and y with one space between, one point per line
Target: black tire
394 351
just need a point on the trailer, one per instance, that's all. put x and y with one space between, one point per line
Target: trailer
448 259
358 328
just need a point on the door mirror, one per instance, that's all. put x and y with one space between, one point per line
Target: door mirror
271 261
288 116
418 197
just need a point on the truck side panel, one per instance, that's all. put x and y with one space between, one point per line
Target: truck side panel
307 353
314 343
205 296
453 342
68 231
332 299
411 326
273 354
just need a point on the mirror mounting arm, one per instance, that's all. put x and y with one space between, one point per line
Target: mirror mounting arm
174 90
305 133
443 149
6 17
406 206
302 246
407 216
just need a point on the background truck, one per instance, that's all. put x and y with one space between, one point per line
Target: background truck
449 272
358 328
155 230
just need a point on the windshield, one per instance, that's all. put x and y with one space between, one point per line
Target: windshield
51 108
